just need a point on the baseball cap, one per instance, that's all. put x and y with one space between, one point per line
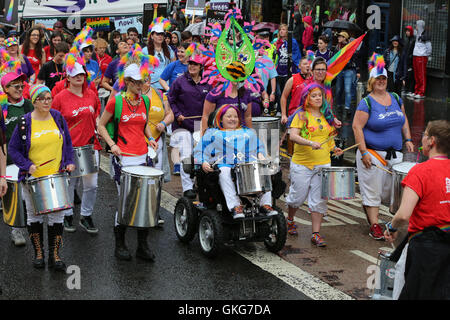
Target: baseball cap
10 77
375 73
158 29
11 41
133 72
77 69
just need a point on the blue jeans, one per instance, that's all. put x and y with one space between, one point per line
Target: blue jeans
345 87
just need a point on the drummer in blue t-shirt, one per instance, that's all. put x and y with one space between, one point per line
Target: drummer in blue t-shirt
176 68
379 125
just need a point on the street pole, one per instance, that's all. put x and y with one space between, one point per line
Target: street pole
290 33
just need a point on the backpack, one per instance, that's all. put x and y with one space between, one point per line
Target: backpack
112 126
369 104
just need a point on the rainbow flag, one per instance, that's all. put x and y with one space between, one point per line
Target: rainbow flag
10 10
340 59
98 24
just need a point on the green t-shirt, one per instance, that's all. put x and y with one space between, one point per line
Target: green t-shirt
12 119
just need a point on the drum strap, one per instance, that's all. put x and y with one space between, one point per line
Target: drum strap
369 104
376 155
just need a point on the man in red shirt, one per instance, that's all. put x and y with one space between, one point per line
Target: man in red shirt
426 205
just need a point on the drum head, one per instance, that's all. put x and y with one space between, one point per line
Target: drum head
143 171
151 153
403 167
13 172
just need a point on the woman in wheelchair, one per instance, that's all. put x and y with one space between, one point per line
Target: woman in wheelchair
227 144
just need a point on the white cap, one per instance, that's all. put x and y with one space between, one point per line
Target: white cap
133 72
76 70
375 74
158 28
85 45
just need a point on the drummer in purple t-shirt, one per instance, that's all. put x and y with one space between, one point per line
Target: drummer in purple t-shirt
239 97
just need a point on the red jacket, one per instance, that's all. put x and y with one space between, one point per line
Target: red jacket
308 34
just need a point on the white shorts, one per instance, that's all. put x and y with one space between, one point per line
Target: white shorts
306 184
375 184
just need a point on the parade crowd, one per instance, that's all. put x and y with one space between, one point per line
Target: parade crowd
134 95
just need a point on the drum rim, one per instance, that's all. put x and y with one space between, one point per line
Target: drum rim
337 169
88 146
402 172
54 176
140 175
266 119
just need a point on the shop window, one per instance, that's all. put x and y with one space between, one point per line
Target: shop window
435 15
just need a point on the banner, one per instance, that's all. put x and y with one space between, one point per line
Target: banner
9 15
195 7
122 25
84 8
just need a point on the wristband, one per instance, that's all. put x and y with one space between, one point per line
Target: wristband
165 125
390 227
112 146
408 140
362 155
151 139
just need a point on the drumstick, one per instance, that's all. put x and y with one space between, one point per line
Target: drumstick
193 117
44 163
126 153
390 172
354 146
75 125
331 137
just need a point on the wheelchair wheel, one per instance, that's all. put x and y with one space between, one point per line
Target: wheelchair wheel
276 238
210 233
185 220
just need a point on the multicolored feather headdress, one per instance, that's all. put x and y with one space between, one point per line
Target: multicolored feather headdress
135 56
377 61
166 25
8 64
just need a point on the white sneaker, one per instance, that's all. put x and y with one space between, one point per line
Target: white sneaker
17 237
418 96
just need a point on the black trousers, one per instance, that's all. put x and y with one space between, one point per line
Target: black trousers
427 269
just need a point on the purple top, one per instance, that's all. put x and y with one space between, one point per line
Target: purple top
187 98
27 68
19 155
221 99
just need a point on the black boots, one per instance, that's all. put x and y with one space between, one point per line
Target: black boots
121 251
36 233
54 245
143 251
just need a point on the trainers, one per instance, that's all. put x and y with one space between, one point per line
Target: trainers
292 227
238 212
68 224
88 224
418 96
176 169
268 210
376 232
318 240
17 237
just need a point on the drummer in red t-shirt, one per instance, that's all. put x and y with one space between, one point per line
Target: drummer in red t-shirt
131 148
80 107
426 205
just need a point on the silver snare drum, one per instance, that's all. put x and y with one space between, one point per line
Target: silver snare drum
253 177
50 193
268 131
338 183
140 196
14 214
399 170
85 161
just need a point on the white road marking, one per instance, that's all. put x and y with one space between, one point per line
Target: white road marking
292 275
365 256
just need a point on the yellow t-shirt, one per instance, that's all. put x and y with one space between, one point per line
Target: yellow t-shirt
320 131
46 144
155 113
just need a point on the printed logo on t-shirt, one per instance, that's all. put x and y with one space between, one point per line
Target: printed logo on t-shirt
157 109
81 109
41 133
447 184
9 120
126 118
56 74
382 116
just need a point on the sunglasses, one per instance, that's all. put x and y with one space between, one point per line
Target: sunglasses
17 86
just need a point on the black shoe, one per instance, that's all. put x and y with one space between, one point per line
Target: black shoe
190 194
68 224
36 233
121 251
54 245
87 223
76 198
143 251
